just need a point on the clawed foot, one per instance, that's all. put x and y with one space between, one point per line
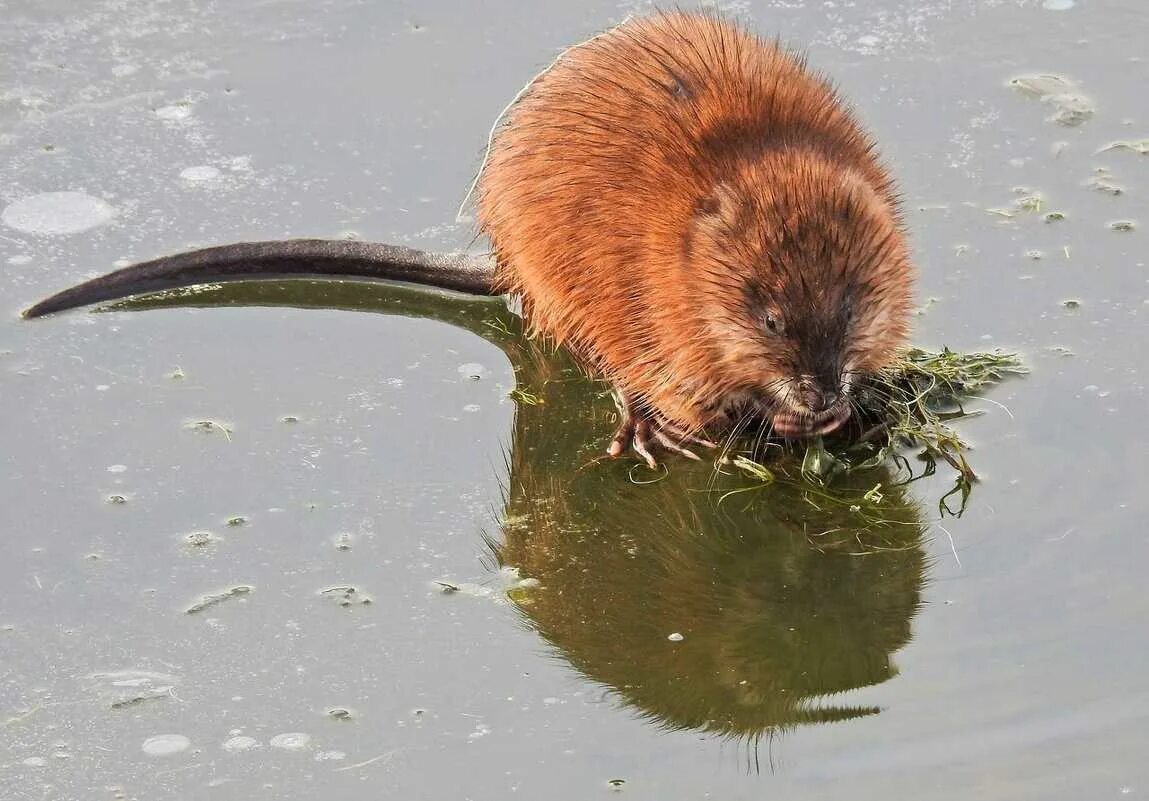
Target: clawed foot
643 434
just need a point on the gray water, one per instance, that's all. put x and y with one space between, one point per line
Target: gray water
262 454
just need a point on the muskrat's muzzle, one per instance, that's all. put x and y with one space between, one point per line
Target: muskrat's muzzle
793 424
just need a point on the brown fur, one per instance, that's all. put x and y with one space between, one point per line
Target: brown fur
667 185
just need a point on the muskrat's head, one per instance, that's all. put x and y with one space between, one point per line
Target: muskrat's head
809 289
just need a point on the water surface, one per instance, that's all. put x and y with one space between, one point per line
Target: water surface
405 588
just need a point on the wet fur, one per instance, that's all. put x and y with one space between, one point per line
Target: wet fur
666 185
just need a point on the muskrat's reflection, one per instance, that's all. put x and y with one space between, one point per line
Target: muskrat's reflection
783 595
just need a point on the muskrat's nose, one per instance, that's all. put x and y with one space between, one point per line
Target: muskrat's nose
813 397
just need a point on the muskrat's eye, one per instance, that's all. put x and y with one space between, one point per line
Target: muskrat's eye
773 323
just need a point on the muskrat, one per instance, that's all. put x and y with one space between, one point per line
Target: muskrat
686 208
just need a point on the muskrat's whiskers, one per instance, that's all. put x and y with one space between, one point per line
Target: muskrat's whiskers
724 452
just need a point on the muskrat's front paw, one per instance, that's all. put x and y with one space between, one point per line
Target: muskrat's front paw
643 434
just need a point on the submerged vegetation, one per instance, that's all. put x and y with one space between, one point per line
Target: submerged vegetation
907 408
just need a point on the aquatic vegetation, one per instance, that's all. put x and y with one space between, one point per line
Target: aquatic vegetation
1140 146
908 408
1070 107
